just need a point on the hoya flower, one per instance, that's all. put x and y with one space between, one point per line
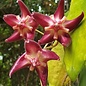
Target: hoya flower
24 26
36 58
56 26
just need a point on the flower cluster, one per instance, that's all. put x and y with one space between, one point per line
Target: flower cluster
56 27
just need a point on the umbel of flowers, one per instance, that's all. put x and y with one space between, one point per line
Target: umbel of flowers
56 27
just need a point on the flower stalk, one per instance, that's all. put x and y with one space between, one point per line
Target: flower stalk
39 32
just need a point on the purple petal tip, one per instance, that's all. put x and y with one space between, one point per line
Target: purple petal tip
71 24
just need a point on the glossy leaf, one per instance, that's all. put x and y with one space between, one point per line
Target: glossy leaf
57 72
82 78
75 54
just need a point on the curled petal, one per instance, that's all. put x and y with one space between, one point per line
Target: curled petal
49 55
32 47
14 37
64 39
43 74
42 19
20 63
11 19
71 24
24 9
47 37
59 13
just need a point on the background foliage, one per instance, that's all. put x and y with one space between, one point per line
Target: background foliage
9 52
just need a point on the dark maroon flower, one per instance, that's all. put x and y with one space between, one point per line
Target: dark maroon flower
56 26
24 26
36 58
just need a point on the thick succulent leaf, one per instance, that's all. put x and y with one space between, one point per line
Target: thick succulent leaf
75 54
82 78
56 69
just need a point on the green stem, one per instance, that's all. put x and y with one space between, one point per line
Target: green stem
40 82
51 46
39 32
46 45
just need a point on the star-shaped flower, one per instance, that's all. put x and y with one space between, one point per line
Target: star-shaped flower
56 26
24 26
36 58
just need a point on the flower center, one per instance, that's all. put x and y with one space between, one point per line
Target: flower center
23 26
58 27
32 61
35 61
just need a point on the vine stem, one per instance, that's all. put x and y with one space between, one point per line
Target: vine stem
39 32
46 45
51 46
40 82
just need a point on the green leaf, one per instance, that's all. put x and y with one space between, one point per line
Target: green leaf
75 54
56 69
82 78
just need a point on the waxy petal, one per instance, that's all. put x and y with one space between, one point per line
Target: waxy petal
33 23
71 24
38 61
14 37
59 13
49 55
25 24
11 19
43 20
43 74
32 47
24 9
29 36
64 39
47 37
19 64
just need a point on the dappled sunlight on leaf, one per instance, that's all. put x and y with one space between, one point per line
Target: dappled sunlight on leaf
57 71
75 54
